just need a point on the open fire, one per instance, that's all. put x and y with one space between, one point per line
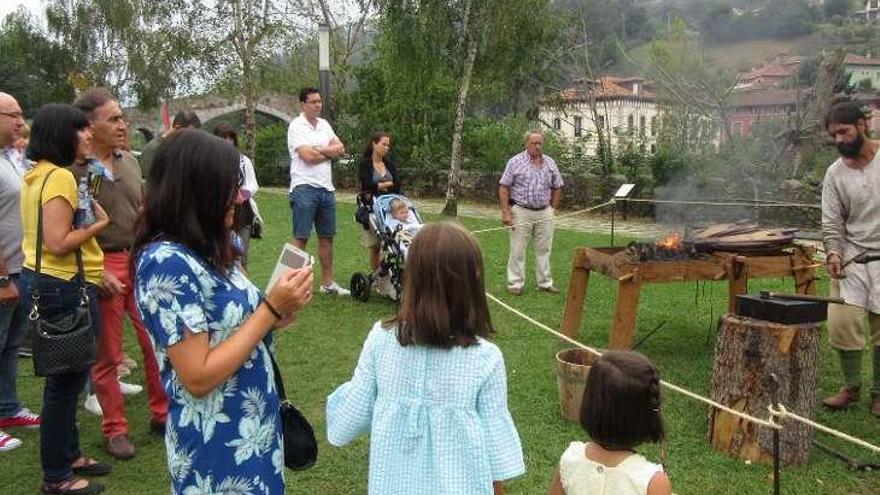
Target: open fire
673 242
735 237
671 248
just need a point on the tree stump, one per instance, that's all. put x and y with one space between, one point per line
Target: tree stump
747 352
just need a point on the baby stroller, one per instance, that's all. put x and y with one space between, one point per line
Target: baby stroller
374 213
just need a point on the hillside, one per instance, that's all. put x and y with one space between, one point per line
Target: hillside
735 56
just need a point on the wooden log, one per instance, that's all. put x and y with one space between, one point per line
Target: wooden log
738 281
574 301
747 353
624 325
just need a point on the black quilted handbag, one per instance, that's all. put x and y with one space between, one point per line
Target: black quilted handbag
300 445
64 343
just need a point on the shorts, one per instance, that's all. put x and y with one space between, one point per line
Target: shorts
313 205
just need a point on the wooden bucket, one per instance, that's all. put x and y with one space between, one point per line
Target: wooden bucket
572 368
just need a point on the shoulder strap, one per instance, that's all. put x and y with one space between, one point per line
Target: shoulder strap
279 383
39 246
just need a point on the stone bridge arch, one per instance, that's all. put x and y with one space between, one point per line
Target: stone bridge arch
207 107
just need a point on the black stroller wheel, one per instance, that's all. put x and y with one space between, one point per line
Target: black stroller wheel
360 287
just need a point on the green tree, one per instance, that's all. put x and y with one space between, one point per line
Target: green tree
141 50
35 69
254 30
687 83
436 65
836 8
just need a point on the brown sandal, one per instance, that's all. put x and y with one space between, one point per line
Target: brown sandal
92 467
67 487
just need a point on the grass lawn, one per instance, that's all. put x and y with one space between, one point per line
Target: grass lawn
320 352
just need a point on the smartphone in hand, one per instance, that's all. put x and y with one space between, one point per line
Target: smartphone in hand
291 258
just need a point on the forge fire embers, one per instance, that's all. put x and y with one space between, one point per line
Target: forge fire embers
672 248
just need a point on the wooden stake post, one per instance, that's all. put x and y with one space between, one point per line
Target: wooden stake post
795 262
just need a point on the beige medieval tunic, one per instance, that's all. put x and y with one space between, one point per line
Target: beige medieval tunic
851 227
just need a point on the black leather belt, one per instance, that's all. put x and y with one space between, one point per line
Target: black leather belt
533 208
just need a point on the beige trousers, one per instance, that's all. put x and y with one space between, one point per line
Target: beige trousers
538 229
846 324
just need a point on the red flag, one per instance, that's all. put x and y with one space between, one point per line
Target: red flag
164 117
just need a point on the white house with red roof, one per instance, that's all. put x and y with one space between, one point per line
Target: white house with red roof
625 107
861 68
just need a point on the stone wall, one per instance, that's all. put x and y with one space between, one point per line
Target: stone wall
583 190
580 190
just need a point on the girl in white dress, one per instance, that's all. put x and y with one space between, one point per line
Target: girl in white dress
621 409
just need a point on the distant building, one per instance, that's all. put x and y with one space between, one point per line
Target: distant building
862 68
625 107
775 74
749 109
870 13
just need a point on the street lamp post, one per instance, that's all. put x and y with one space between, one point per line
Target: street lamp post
324 68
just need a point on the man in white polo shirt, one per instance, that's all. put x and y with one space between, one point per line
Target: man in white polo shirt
312 144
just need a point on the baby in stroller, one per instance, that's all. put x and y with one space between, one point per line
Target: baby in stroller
403 224
396 222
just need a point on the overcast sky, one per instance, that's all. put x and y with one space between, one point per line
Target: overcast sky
7 6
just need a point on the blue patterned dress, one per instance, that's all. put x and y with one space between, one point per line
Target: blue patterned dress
438 418
228 441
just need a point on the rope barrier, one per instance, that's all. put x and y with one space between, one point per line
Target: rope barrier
782 412
752 204
779 412
558 217
675 388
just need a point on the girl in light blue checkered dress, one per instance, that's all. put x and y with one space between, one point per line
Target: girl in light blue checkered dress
428 387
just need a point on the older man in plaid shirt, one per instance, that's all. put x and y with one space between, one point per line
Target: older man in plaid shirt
529 192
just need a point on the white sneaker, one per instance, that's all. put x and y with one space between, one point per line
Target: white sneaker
130 388
92 405
8 442
334 289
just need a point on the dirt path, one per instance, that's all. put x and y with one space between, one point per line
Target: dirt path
587 222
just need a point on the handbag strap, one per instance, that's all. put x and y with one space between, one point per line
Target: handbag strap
39 254
279 383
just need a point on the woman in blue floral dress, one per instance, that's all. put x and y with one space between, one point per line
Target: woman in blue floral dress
210 327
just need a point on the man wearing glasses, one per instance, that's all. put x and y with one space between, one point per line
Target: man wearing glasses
13 317
313 144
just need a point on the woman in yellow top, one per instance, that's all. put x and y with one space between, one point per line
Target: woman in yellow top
60 136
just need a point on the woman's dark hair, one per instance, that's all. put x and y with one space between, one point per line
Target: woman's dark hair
226 131
846 113
191 187
621 407
444 295
186 118
54 134
374 138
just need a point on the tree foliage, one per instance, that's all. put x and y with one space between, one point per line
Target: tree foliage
741 20
141 49
836 8
35 69
411 81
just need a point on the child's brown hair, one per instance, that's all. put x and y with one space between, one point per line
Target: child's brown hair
621 407
444 294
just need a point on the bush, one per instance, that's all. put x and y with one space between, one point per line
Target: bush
272 163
